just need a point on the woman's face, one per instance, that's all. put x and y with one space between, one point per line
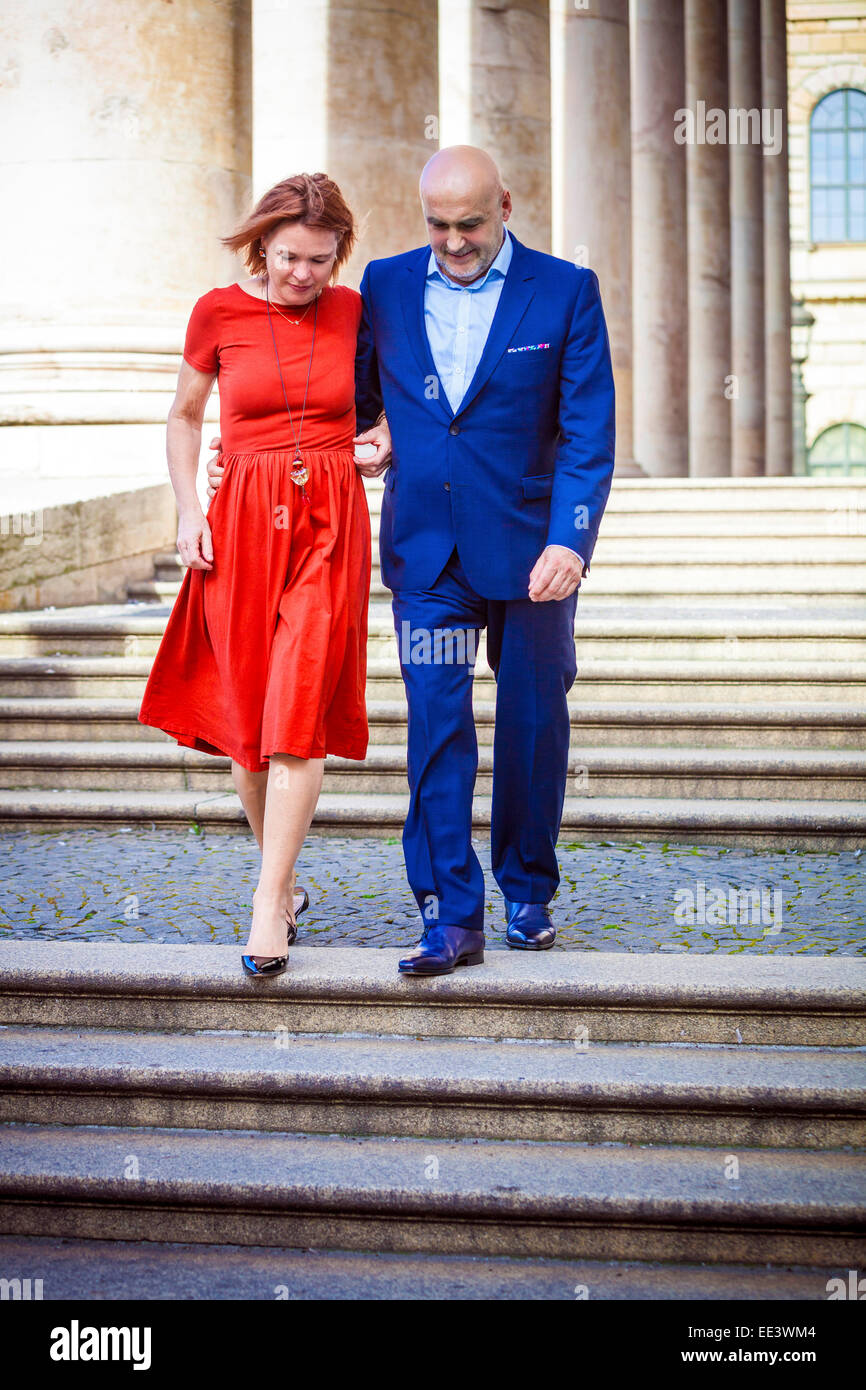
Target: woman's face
299 261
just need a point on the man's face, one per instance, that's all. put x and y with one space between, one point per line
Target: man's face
465 230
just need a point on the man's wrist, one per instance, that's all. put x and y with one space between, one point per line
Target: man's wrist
572 549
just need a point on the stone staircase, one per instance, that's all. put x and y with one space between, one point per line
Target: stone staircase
721 643
552 1116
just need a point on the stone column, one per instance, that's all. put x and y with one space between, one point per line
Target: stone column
709 243
659 236
777 257
350 89
494 63
125 158
748 442
592 172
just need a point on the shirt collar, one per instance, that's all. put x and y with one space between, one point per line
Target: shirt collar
498 268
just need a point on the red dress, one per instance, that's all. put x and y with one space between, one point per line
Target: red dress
267 652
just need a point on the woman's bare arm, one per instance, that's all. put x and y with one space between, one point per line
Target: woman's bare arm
183 446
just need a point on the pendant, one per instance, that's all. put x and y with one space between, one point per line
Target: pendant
300 472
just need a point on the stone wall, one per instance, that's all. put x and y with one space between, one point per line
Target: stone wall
85 551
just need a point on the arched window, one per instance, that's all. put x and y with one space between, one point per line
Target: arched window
838 167
839 451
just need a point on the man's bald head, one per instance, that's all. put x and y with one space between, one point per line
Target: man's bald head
465 206
460 170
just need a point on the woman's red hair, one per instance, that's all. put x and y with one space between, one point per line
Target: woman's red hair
312 199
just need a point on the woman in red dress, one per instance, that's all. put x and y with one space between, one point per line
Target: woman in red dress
264 654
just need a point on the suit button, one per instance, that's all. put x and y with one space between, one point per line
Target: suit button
447 487
454 429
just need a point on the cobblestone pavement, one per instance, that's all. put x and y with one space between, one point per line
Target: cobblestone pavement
177 885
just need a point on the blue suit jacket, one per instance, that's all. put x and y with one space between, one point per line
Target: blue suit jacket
527 459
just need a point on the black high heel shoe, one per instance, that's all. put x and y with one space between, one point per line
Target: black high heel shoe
292 933
264 965
276 965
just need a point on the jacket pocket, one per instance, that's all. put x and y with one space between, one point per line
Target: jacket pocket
538 485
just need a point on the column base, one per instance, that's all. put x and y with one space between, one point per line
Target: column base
88 374
629 468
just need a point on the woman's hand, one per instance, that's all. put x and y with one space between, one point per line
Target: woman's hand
380 437
194 542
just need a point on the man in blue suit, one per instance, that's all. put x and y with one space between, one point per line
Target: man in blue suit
492 365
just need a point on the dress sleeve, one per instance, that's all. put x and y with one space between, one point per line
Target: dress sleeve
201 348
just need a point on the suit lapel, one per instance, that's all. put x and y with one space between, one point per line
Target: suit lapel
517 292
514 299
412 296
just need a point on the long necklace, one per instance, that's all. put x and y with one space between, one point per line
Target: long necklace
300 473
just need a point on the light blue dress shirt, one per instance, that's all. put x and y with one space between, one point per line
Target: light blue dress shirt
458 319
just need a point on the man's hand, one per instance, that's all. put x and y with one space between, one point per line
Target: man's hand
214 472
194 542
380 436
555 574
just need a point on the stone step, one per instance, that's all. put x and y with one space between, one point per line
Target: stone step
824 629
792 516
810 634
166 591
666 492
665 496
735 680
565 1201
819 726
118 630
825 825
652 502
111 1270
816 725
693 681
593 771
701 552
607 1093
94 677
672 543
719 640
130 632
580 997
735 494
718 583
645 581
781 524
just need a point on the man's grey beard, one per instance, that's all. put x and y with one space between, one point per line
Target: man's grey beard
477 274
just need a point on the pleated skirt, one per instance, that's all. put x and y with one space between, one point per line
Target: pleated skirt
267 652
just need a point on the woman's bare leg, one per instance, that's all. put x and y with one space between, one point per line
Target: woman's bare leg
290 796
251 788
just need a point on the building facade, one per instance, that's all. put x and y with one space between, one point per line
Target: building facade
645 139
827 107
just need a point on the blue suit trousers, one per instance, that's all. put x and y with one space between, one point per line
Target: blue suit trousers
530 649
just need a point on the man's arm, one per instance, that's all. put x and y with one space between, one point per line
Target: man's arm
585 455
368 391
